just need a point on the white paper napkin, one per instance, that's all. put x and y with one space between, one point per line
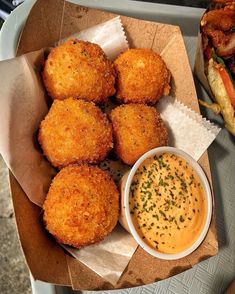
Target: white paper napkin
188 130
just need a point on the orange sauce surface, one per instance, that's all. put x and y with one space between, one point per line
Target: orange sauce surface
167 203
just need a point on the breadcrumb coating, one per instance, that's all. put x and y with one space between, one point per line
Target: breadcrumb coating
82 205
79 69
142 76
75 131
137 129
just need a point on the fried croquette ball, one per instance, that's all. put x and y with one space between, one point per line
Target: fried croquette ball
142 76
79 69
82 205
137 129
75 131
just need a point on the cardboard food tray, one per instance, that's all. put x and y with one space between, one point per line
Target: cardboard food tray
54 20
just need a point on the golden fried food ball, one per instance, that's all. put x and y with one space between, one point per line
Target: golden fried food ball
142 76
137 129
82 205
79 69
75 131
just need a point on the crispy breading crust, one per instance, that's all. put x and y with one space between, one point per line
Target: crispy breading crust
79 69
75 131
137 129
82 205
142 76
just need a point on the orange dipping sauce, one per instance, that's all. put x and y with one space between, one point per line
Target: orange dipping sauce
167 203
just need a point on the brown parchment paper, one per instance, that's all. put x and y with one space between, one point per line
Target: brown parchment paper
57 20
24 106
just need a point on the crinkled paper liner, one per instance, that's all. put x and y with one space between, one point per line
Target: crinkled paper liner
109 35
188 130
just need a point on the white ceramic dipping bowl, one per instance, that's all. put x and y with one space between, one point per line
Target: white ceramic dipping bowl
125 217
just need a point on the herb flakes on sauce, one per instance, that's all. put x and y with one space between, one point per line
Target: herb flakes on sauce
165 189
